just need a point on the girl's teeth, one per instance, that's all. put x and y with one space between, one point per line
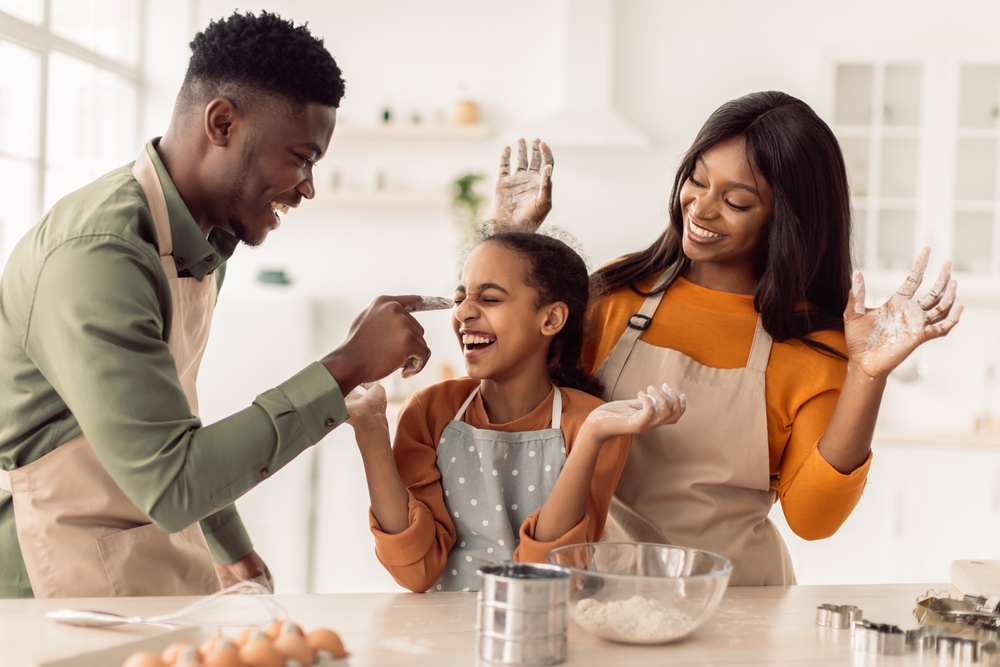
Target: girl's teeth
281 208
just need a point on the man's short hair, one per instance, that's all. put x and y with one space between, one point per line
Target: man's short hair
246 55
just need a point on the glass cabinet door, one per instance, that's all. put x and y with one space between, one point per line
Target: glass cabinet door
975 210
878 116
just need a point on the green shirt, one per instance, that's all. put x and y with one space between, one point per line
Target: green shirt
85 313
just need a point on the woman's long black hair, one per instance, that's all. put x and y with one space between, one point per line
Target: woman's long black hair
557 273
804 268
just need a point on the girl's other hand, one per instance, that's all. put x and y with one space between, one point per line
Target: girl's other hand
652 408
879 339
523 199
366 406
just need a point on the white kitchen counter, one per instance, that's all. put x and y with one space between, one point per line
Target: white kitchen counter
753 626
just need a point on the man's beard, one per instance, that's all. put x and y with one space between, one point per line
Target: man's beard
240 232
234 221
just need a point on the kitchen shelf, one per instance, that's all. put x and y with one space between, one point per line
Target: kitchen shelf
388 198
425 131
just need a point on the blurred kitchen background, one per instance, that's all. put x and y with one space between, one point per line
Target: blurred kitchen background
436 88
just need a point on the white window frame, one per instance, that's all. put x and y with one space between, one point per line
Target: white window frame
41 40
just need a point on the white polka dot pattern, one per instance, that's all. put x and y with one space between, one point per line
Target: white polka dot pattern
492 493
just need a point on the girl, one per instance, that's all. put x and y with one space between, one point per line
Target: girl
516 459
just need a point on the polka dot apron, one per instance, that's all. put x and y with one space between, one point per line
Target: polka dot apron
493 481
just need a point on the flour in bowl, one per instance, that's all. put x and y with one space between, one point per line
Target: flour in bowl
635 619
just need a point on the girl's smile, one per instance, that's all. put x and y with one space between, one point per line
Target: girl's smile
475 343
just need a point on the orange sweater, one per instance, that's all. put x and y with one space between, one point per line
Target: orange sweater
801 389
416 556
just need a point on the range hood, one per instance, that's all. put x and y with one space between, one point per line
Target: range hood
587 117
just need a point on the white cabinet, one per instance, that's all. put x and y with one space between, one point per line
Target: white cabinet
924 506
976 243
921 141
879 120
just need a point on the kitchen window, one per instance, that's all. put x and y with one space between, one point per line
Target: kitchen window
69 101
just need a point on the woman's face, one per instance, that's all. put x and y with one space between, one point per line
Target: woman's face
498 322
725 205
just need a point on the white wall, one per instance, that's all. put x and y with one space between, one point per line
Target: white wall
675 63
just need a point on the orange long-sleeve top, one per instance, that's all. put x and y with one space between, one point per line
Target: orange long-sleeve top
416 556
801 388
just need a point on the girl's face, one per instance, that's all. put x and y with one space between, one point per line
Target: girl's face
725 205
499 324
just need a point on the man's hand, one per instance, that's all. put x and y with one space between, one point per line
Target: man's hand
383 338
248 568
523 199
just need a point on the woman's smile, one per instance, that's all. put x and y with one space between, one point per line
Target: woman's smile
700 234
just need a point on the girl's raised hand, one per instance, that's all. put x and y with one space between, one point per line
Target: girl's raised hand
523 198
366 406
652 408
879 339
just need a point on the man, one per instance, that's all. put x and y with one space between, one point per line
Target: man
105 307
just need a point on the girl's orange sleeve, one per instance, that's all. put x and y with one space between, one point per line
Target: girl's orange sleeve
416 557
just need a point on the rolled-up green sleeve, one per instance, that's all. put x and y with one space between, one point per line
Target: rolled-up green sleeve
96 333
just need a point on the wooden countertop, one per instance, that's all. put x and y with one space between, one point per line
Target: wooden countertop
753 626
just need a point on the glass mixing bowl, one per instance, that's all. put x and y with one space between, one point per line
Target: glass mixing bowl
639 593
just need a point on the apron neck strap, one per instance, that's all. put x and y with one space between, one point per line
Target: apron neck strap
556 407
613 366
145 173
760 350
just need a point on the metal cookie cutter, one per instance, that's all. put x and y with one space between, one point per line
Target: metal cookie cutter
837 617
956 615
880 638
989 654
925 638
958 651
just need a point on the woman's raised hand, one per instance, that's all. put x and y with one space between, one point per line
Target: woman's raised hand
879 339
366 406
652 408
522 199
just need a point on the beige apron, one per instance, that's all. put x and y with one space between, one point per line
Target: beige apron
80 535
703 482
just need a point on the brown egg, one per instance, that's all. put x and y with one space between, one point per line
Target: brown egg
259 652
278 627
188 657
322 639
294 646
240 640
221 653
144 659
171 653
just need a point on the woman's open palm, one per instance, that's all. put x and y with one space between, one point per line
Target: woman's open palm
879 339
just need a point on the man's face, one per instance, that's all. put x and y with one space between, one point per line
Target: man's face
274 169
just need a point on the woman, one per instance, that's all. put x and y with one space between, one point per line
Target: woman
746 304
